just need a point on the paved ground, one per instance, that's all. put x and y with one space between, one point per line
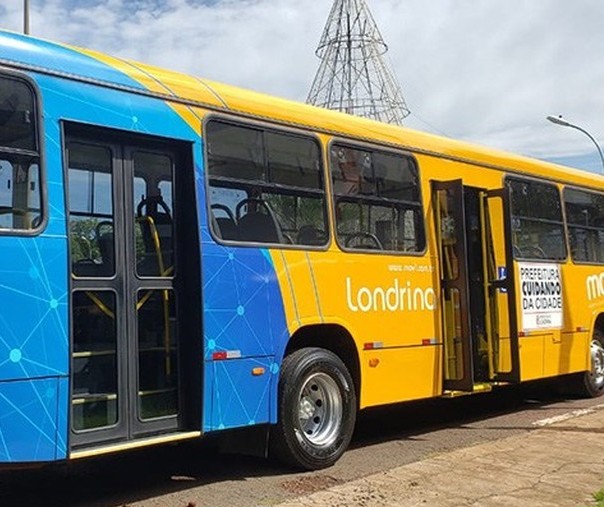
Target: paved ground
560 464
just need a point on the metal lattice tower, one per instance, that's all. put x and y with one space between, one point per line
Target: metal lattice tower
353 76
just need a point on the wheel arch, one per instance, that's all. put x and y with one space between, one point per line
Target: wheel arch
336 339
599 322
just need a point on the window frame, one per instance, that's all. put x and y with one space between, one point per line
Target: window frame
556 185
40 144
373 199
289 190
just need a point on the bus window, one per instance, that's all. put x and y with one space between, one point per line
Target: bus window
20 188
265 186
537 226
585 217
377 200
91 210
154 220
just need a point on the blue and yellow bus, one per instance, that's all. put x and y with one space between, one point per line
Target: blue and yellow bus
181 257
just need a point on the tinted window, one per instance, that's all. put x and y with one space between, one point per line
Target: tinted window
91 210
585 218
265 186
20 185
377 200
537 228
17 115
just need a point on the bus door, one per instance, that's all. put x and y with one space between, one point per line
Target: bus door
478 314
126 292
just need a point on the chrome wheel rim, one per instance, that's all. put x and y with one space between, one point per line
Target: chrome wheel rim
320 410
597 364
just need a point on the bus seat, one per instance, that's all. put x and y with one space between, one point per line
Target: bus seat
105 241
225 227
156 219
309 235
104 238
258 224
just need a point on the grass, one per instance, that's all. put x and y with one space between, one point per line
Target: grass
599 498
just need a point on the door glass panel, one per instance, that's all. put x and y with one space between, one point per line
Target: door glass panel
154 225
454 353
94 360
499 298
91 211
448 236
157 354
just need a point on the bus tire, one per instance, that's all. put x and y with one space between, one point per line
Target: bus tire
317 410
592 381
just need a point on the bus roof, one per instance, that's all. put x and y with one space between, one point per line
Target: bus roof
37 55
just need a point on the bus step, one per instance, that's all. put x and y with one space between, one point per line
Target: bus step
481 387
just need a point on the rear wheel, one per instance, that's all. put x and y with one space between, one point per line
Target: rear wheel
317 409
591 383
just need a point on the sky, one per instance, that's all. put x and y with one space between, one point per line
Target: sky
485 71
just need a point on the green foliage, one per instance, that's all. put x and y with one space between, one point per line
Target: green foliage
83 240
599 498
295 211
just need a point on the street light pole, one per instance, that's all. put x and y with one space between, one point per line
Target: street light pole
26 17
558 120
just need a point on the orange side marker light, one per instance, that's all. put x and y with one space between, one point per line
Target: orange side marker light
374 362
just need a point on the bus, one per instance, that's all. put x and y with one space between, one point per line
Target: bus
184 258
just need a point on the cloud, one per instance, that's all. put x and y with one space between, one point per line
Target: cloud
487 71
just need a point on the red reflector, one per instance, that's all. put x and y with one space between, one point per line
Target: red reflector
218 356
427 342
521 334
368 346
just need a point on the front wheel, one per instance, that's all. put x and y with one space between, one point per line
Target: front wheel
317 409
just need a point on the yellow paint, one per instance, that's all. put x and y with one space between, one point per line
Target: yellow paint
406 374
531 356
565 353
134 444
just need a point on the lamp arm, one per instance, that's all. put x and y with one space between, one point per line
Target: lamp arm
593 140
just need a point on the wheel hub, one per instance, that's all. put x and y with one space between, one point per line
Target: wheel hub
320 410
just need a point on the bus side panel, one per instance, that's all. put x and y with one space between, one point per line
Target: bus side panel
413 373
239 396
34 346
565 353
33 317
388 303
244 327
30 413
531 356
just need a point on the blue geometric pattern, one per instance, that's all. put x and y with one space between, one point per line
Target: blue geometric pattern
28 420
33 316
238 398
244 313
33 345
